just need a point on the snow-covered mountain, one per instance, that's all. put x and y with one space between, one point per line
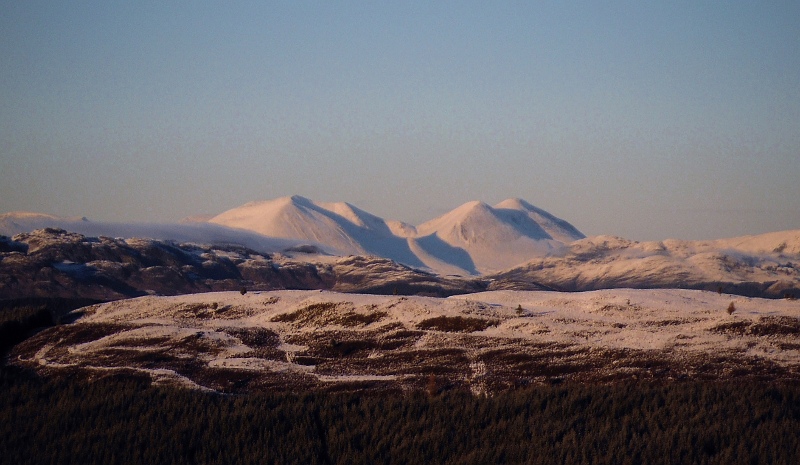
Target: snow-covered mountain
341 228
498 237
472 239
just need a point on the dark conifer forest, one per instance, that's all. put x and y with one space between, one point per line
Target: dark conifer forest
125 420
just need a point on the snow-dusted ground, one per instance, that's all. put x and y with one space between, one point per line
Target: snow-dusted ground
640 319
492 340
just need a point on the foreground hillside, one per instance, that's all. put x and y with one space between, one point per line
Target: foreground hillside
484 343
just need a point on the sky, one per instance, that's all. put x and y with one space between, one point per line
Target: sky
646 120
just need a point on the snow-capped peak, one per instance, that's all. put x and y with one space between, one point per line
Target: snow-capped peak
475 213
473 237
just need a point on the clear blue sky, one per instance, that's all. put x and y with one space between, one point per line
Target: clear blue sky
646 120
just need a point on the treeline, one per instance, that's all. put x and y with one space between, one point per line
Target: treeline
126 421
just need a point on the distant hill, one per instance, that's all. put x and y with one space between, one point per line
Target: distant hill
764 265
195 232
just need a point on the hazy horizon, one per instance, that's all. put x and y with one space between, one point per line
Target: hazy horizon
648 122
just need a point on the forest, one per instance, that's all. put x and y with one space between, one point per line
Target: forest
125 420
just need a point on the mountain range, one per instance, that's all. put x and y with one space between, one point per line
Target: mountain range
511 245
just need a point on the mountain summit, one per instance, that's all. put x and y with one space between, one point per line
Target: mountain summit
496 237
471 239
297 217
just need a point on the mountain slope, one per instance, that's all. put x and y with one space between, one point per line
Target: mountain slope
293 218
340 227
556 228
